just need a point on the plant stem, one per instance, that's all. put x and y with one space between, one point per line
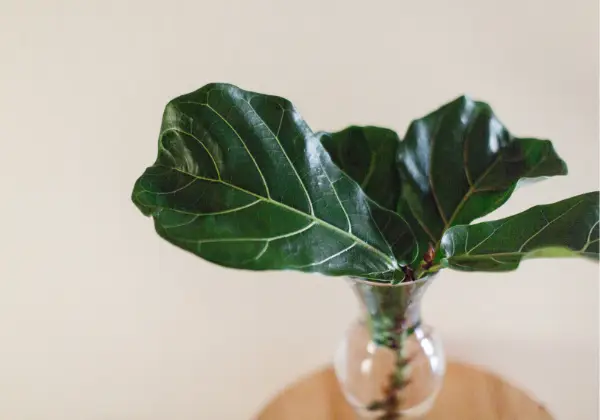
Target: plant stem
392 315
395 340
431 270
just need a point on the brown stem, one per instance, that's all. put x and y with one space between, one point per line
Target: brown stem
391 401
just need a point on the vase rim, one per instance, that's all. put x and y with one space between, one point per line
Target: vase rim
380 284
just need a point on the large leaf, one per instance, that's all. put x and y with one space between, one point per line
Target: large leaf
242 181
460 163
566 228
368 156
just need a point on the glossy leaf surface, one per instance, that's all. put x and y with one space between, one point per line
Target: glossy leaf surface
368 156
562 229
460 163
242 181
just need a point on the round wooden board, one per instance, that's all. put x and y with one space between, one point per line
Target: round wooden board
468 394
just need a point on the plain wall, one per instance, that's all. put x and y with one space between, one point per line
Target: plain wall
102 320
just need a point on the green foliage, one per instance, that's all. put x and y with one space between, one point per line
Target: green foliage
460 163
564 229
368 156
242 181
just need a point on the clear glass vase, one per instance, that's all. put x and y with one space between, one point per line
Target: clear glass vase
389 364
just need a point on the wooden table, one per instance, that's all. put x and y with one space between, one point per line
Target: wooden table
468 393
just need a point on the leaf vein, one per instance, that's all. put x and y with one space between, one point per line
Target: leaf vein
178 130
591 230
465 145
548 224
215 213
336 196
262 252
207 105
391 261
272 238
337 254
486 238
276 136
429 175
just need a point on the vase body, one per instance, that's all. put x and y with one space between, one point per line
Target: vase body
390 365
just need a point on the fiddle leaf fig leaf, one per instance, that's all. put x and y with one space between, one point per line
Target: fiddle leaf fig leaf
567 228
460 163
368 156
241 180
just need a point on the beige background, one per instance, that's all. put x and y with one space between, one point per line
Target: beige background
102 320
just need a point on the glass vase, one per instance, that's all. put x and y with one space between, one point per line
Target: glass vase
389 364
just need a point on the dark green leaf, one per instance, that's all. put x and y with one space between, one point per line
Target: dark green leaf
460 163
242 181
562 229
368 156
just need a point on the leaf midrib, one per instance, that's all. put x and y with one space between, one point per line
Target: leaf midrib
321 222
465 257
473 189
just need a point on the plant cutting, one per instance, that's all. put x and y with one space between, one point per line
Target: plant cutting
242 181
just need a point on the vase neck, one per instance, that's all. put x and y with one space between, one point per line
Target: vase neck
391 310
